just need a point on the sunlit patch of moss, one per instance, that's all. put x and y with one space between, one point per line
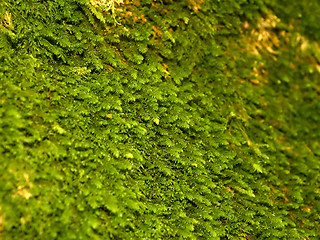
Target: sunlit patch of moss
2 222
6 20
107 5
23 190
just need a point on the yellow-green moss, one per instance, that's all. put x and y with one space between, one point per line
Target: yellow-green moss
187 120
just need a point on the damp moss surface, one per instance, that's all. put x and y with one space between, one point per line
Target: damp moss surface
186 119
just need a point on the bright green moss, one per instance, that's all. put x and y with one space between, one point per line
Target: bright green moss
186 120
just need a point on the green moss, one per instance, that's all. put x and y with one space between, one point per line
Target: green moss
186 120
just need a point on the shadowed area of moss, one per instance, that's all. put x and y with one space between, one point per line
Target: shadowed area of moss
164 119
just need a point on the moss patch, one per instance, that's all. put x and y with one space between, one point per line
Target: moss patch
159 120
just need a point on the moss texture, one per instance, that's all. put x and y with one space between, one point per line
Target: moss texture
187 119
